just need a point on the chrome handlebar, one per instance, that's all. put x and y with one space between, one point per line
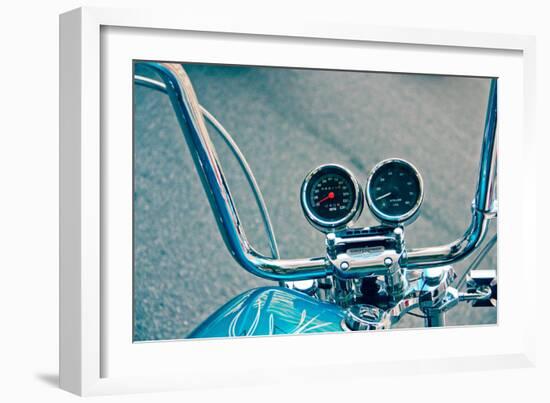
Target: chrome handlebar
190 117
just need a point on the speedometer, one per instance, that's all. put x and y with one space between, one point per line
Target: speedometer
395 191
331 197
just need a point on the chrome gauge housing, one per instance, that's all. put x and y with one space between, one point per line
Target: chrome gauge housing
331 198
395 191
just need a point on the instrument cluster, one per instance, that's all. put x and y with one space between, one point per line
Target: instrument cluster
332 198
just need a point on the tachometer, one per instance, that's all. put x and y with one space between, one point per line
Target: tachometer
394 191
331 197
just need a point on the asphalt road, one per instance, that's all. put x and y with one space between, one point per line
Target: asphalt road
286 122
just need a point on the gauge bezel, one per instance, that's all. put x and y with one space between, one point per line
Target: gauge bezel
327 225
410 215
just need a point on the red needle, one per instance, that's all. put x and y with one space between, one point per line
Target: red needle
327 197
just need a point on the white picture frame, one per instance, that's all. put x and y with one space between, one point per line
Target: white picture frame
96 354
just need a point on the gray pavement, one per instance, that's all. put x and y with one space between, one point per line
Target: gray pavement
286 122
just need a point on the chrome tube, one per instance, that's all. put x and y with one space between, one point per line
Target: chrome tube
435 319
190 118
482 208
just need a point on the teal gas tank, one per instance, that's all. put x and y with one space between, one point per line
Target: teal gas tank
271 311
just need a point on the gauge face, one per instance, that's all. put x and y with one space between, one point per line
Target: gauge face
331 197
394 191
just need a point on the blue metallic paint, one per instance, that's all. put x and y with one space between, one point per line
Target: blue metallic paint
271 311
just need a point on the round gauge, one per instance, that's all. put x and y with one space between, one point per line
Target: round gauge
331 197
395 191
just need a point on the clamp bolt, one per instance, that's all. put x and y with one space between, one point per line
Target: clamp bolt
331 239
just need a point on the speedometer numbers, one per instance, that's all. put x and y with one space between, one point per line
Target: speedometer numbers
331 197
394 191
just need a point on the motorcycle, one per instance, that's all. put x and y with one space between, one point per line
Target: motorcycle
369 278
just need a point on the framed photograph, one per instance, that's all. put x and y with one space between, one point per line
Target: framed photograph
243 203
